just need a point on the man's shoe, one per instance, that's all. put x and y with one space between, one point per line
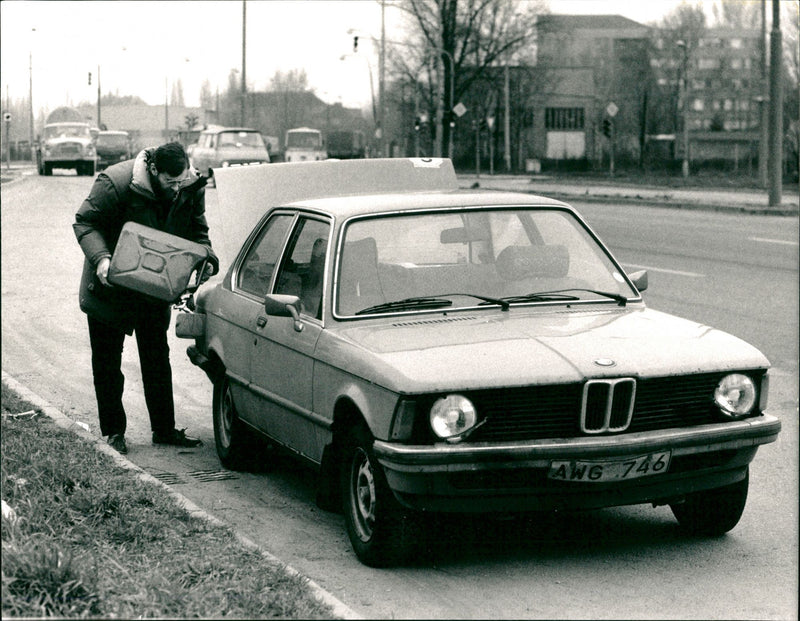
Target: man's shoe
176 437
117 442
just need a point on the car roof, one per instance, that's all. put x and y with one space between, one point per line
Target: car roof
219 130
369 204
112 132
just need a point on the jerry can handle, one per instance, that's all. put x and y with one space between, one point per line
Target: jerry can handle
198 274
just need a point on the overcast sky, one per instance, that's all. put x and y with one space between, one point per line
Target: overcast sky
142 47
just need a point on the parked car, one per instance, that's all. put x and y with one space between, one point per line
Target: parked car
427 349
66 145
220 147
112 147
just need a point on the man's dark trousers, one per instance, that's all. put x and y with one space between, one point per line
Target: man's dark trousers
151 339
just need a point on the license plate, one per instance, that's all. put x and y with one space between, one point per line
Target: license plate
616 470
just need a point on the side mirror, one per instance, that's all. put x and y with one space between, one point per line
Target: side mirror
639 279
284 306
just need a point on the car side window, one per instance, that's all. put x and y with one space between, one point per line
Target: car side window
256 270
302 272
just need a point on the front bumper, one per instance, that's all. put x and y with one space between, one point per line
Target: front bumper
513 476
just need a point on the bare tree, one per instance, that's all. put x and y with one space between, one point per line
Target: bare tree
478 34
679 34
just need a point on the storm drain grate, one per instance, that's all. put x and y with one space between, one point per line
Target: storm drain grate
212 475
170 478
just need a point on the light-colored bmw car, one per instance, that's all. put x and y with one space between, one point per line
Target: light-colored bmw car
427 349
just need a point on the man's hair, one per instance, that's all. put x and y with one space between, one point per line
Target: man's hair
170 158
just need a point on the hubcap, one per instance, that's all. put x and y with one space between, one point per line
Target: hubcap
363 495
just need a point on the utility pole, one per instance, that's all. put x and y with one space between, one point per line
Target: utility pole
775 109
166 109
382 103
99 122
507 119
763 152
30 102
244 61
685 165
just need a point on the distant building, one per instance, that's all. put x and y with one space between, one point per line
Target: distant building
725 89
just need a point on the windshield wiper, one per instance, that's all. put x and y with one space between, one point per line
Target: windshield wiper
502 303
559 294
407 303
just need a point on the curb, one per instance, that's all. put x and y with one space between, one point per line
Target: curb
340 610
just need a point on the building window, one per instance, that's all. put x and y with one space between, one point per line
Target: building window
564 118
736 63
698 105
708 63
736 43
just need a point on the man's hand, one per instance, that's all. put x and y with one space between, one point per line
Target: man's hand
207 273
102 271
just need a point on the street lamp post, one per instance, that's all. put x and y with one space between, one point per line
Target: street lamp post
685 165
451 102
30 102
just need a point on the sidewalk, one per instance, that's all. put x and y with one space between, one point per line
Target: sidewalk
748 201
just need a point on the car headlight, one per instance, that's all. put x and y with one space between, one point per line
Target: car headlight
452 416
226 164
735 395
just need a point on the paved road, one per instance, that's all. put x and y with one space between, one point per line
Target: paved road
620 563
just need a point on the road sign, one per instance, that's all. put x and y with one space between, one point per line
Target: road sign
459 109
612 109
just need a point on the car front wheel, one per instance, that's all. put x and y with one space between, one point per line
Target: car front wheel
713 512
233 446
382 532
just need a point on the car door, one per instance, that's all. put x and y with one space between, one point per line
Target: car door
283 357
252 280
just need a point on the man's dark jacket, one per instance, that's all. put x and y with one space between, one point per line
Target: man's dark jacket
124 193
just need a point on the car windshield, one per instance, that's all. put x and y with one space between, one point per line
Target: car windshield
119 141
304 140
241 139
67 131
503 257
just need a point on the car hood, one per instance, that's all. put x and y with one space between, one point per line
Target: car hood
242 152
68 140
110 149
464 351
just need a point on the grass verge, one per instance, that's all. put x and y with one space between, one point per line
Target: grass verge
88 539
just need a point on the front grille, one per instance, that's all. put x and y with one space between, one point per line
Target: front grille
556 411
67 148
607 405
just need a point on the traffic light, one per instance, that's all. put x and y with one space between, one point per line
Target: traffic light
90 78
416 124
355 44
607 128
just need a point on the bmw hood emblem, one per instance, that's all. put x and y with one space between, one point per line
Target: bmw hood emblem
604 362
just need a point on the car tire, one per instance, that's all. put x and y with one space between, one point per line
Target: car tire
381 531
234 448
713 512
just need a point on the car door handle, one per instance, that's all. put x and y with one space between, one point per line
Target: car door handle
261 321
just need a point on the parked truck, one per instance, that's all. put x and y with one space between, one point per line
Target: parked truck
66 142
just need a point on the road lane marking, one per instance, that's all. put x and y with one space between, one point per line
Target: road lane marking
666 271
767 240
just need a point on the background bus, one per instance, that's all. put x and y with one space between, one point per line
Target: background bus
304 144
346 144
